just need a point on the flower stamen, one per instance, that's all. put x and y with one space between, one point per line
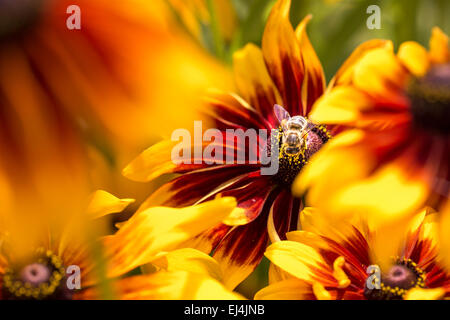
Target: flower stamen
42 278
400 278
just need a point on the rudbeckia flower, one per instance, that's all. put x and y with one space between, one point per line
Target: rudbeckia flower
42 264
286 72
342 262
394 159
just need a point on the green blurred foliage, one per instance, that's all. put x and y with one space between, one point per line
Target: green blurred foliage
338 26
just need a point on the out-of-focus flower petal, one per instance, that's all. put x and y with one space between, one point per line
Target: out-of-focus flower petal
425 294
439 50
345 73
340 106
152 163
103 203
369 195
414 57
177 285
290 289
158 229
368 75
444 227
190 260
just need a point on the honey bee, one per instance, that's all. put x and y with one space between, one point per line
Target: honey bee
295 130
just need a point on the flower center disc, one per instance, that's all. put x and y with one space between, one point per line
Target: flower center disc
42 278
430 100
394 284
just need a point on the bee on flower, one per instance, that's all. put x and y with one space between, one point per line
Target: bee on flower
277 87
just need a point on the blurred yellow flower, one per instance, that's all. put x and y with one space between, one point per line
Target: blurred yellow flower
394 159
35 258
345 262
127 77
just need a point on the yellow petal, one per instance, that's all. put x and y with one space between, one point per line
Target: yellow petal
320 292
152 163
295 258
328 162
164 285
425 294
158 229
308 238
277 274
414 57
439 52
290 289
378 71
103 203
281 52
345 73
191 260
234 272
253 80
429 231
314 86
341 105
237 217
444 227
386 196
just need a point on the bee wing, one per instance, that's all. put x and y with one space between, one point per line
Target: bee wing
308 128
280 113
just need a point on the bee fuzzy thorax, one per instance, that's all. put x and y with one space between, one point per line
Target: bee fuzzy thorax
298 139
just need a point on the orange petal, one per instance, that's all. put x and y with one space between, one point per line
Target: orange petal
379 72
342 105
190 260
103 203
314 86
158 229
414 57
345 73
290 289
152 163
281 52
163 285
253 80
439 51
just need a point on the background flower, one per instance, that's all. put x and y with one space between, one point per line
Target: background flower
398 147
103 91
324 261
